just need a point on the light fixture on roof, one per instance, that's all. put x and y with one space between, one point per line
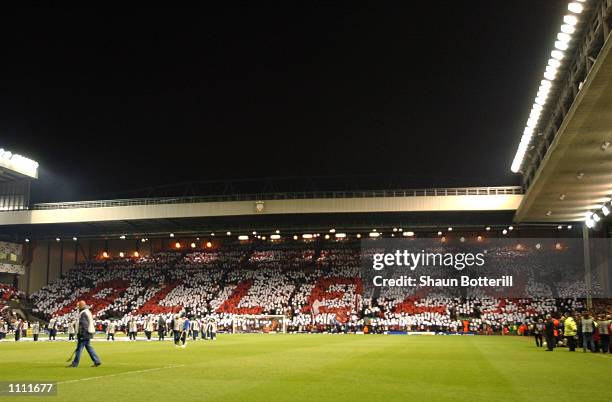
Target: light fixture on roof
57 239
561 197
374 234
177 245
295 237
439 233
488 228
561 45
569 227
557 54
275 237
504 232
563 37
554 63
560 227
121 254
208 244
193 245
306 236
332 230
122 237
604 145
395 229
575 7
570 20
548 213
74 239
590 223
605 210
277 231
171 234
105 254
510 227
326 237
340 235
212 234
450 229
228 233
27 240
408 234
143 240
568 29
136 254
596 217
243 237
359 235
254 233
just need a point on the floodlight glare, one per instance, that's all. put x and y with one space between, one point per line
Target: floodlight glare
575 7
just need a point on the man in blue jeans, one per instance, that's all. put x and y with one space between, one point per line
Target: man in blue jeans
85 332
588 328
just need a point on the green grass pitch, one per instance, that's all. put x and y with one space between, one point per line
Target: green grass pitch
259 367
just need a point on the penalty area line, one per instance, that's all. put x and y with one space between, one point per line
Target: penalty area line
120 374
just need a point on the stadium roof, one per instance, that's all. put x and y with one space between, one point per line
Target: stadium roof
570 172
287 210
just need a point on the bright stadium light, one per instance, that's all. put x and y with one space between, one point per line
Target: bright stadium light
121 254
557 54
596 217
18 163
561 45
563 37
550 76
568 29
570 20
275 237
340 235
408 234
605 211
554 63
306 236
243 237
575 7
74 239
590 223
374 234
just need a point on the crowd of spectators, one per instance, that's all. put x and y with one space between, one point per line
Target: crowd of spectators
314 288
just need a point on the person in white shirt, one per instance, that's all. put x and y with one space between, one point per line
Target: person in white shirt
148 327
111 328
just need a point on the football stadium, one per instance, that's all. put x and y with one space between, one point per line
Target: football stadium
319 287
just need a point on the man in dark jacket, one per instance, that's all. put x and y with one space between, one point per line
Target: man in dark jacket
549 332
85 332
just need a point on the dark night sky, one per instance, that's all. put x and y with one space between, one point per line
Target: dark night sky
436 93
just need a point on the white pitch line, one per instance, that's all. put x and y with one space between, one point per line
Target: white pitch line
122 373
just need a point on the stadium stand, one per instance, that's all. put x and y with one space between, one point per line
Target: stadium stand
316 288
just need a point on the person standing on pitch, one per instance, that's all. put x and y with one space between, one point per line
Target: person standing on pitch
51 328
538 330
35 330
132 329
549 332
185 331
148 327
570 332
161 328
176 329
588 329
111 328
85 332
72 326
195 328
